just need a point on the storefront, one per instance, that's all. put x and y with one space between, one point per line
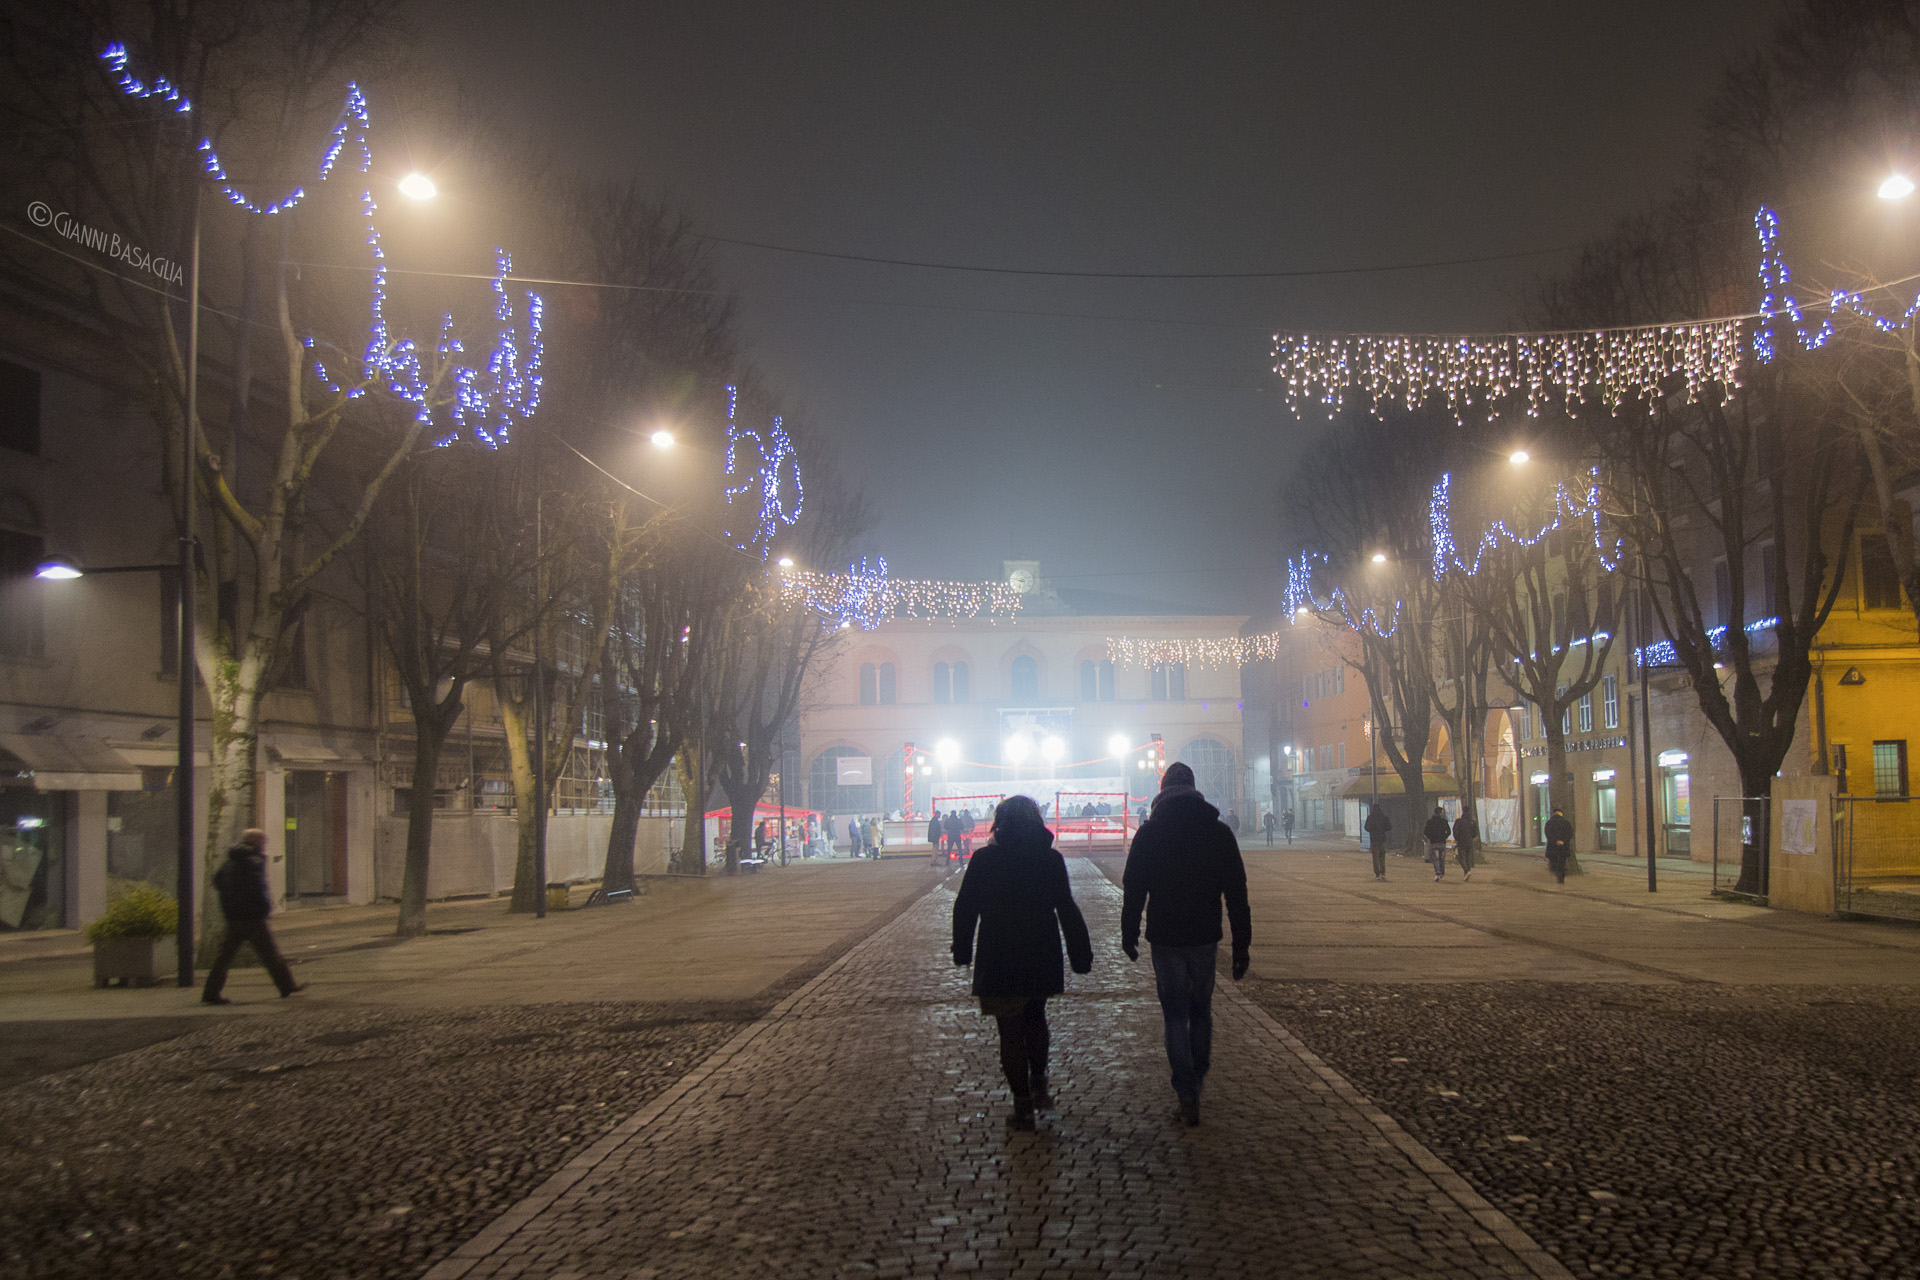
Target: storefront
34 869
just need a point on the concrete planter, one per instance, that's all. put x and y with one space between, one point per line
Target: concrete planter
135 962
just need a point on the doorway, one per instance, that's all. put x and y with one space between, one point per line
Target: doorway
316 833
1606 834
1676 800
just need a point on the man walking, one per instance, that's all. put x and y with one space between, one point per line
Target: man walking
1183 862
1288 826
1377 825
1559 835
1268 823
1466 834
1436 832
246 903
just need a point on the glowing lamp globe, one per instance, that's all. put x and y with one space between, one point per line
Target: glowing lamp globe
1896 186
1518 457
56 570
1379 557
418 187
1118 745
662 439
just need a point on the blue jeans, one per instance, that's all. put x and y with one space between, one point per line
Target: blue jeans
1184 978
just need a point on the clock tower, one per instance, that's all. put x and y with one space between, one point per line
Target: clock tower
1022 575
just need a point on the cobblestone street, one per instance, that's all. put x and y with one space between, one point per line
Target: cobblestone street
859 1130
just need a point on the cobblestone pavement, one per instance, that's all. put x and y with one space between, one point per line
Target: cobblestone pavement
859 1130
1654 1130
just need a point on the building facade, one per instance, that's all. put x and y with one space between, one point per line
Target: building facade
1034 706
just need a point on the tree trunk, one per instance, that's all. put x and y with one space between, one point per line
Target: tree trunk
692 858
741 800
1756 784
232 802
616 875
513 718
427 741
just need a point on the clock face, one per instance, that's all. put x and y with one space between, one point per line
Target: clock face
1020 580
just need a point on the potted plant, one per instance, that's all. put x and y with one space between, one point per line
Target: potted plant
133 940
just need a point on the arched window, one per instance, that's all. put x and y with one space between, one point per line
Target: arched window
886 684
962 683
825 793
1026 680
942 683
1106 681
1089 681
1169 682
869 687
1214 772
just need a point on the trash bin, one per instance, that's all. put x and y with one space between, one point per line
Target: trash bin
557 897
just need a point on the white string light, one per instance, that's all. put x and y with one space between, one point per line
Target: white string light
865 596
1208 652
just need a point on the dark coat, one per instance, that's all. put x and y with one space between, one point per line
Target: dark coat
1465 831
1436 829
936 828
1378 824
1559 831
242 882
1016 894
1184 860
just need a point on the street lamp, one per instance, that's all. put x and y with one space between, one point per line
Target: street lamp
1896 186
785 562
418 187
60 569
1379 557
1519 457
662 438
1118 745
1052 749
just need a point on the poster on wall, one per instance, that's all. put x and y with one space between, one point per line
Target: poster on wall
853 771
1796 826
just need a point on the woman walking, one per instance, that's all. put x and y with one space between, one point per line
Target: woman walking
1015 893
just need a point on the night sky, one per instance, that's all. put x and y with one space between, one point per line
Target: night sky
1123 432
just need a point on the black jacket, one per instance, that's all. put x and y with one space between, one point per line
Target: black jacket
1436 829
1378 824
1015 892
242 883
1184 860
936 827
1465 831
1559 831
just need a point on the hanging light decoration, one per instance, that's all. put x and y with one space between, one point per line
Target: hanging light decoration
866 596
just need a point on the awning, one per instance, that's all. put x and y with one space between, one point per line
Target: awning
58 762
1363 786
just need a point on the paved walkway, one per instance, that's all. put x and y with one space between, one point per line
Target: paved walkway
858 1130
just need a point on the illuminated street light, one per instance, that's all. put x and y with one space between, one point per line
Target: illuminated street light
1379 557
946 751
1118 745
1896 186
57 570
418 187
1053 748
662 438
785 562
1018 747
1518 457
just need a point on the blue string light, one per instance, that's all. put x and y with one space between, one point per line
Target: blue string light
1569 507
763 467
484 402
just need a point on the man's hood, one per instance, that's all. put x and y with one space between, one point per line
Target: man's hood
1177 798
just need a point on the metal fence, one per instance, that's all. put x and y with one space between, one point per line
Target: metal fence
1876 847
1739 831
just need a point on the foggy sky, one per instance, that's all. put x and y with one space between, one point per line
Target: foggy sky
1135 444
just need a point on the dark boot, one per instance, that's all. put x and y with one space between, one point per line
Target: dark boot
1021 1121
1042 1096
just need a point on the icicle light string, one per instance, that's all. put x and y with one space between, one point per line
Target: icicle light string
485 402
1635 362
865 596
